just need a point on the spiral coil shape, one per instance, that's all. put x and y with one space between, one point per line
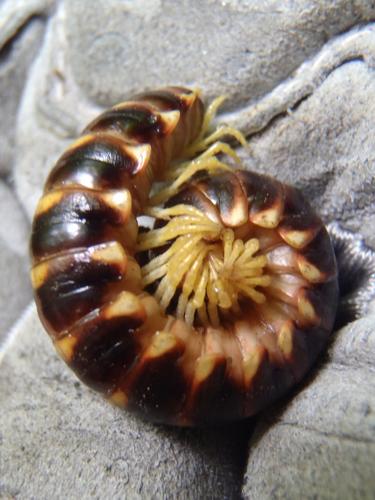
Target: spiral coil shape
214 311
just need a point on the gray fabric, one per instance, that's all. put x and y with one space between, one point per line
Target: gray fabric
299 80
60 440
17 55
239 48
321 443
15 290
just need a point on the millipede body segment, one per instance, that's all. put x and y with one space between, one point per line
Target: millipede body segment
210 312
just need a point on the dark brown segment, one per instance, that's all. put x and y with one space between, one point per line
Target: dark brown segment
105 163
298 216
80 219
293 345
102 158
194 197
135 121
105 349
307 345
225 191
217 398
191 110
263 192
324 299
168 99
270 382
158 387
90 173
75 284
115 153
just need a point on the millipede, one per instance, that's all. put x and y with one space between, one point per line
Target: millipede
178 284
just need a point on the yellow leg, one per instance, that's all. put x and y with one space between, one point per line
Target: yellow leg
223 131
210 164
204 139
212 151
208 145
220 147
210 114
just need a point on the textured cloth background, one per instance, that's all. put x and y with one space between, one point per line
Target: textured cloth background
300 82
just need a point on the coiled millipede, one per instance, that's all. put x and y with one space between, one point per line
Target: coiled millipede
211 313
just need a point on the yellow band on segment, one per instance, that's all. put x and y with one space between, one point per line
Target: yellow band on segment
285 338
162 342
65 347
297 238
120 200
251 365
306 310
309 271
204 367
170 120
141 153
126 304
81 141
48 201
119 398
39 274
110 253
267 218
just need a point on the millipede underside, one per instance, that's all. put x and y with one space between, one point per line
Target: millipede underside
255 293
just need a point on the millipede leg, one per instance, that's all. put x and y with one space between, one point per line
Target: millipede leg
224 131
210 114
220 147
204 139
209 164
213 150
